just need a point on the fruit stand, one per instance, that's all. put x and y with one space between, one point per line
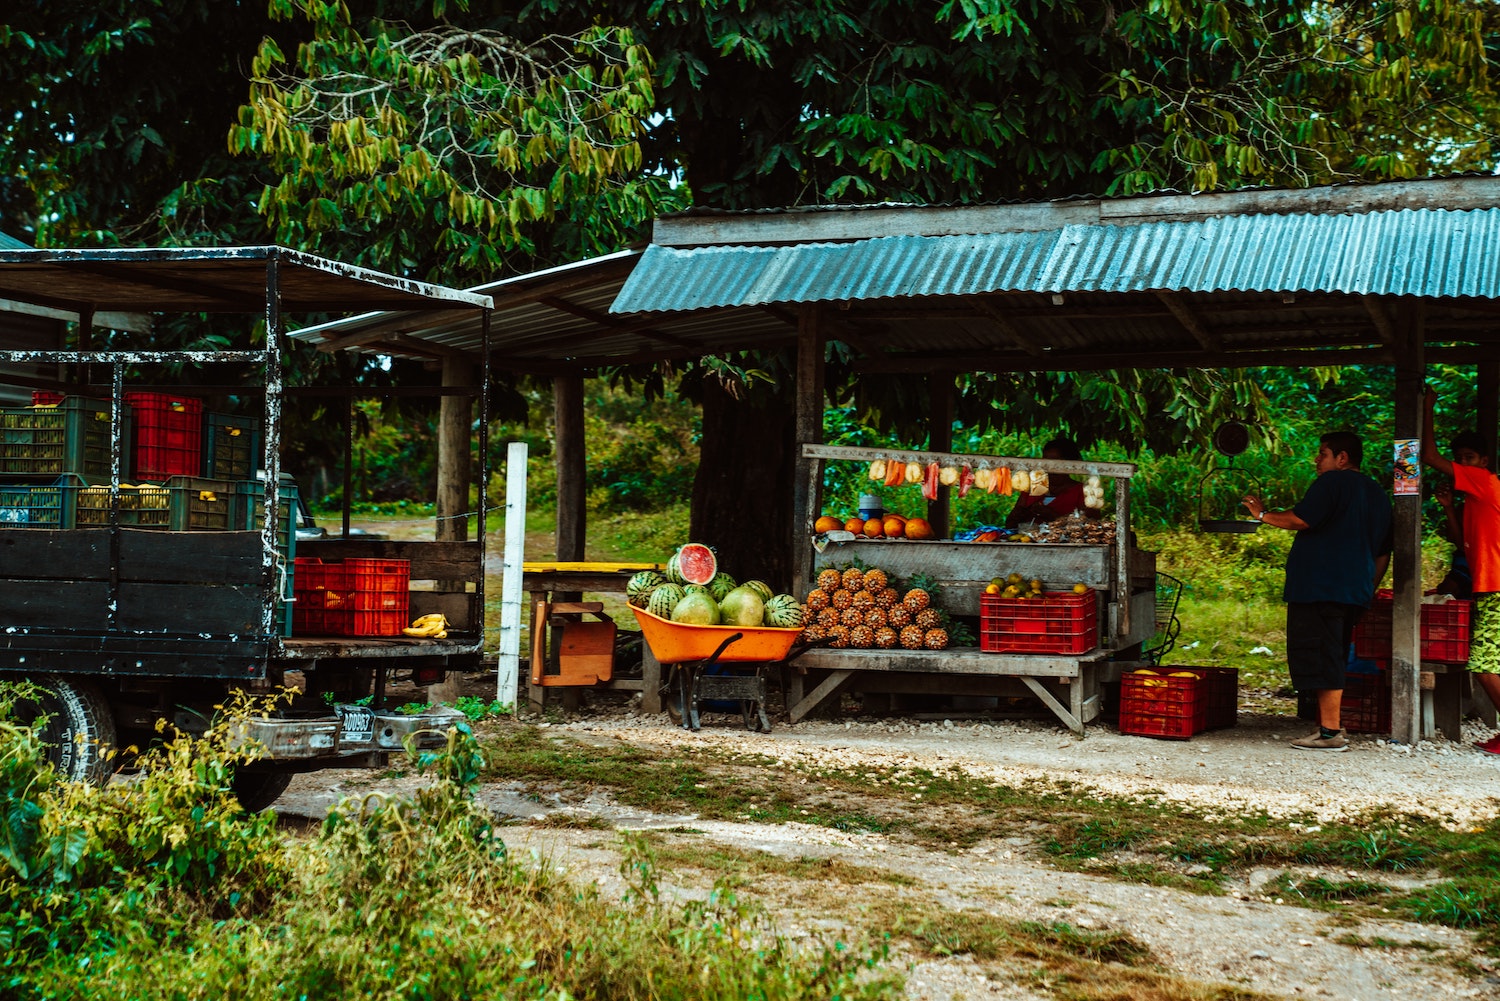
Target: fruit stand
1095 606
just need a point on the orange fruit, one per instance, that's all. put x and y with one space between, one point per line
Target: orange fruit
874 528
827 523
895 526
855 525
918 528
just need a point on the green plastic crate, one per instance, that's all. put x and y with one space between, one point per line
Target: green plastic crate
231 446
200 504
142 505
68 437
27 506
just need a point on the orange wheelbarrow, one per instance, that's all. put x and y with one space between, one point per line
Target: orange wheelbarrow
693 651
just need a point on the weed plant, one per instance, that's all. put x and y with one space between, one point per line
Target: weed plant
162 887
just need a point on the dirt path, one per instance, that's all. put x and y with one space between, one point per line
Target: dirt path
1245 938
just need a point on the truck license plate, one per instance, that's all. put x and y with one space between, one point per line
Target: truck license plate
359 723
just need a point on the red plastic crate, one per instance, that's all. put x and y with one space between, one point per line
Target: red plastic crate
1168 727
168 434
323 603
1366 705
46 398
379 593
1221 694
1445 631
1158 705
1057 622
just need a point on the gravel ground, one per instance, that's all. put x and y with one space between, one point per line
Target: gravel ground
1246 938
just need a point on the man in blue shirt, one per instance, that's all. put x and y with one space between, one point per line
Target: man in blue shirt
1343 543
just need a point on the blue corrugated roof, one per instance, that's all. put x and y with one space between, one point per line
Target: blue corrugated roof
11 243
1419 252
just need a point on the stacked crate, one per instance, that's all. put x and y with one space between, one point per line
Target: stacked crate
55 470
354 597
1058 622
1164 703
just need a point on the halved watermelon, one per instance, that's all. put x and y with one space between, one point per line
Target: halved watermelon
693 563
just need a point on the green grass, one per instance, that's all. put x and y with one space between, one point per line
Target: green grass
1141 839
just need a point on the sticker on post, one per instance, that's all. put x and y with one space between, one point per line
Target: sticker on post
1408 468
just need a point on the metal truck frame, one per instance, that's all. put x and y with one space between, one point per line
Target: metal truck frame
123 627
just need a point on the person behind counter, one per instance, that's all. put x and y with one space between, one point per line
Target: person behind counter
1343 544
1479 540
1064 494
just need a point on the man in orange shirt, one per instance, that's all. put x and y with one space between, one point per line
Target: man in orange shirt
1470 469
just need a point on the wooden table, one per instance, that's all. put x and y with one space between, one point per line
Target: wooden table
543 579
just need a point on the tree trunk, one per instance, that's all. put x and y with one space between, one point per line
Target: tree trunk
743 490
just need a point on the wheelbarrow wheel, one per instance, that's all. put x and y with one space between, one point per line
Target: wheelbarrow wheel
686 700
754 713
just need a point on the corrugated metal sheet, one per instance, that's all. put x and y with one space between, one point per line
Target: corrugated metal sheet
1424 252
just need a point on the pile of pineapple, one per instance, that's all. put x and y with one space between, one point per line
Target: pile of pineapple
859 609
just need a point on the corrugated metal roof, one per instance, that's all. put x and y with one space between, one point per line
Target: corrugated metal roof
1424 252
11 243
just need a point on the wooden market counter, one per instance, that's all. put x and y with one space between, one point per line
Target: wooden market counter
1069 686
1123 577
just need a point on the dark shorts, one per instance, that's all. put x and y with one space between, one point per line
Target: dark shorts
1317 643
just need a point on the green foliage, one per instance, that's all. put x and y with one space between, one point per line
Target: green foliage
469 136
643 454
414 898
477 709
82 865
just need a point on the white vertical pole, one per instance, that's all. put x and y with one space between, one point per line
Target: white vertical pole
510 579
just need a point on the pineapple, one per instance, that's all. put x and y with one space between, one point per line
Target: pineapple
852 617
864 600
828 617
876 617
853 580
916 599
887 597
911 638
875 580
828 580
935 639
861 637
842 599
928 618
817 599
899 616
814 634
840 637
885 637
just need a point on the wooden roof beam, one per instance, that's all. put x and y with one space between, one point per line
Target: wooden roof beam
1190 321
1007 329
1382 320
611 323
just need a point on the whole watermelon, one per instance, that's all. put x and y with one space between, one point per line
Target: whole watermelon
698 589
761 588
742 607
696 610
638 589
784 612
663 599
721 585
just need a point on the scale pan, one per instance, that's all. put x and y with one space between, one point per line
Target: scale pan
1232 526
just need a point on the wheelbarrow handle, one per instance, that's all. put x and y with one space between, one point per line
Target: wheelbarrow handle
732 637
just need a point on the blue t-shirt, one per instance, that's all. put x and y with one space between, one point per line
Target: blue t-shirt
1348 519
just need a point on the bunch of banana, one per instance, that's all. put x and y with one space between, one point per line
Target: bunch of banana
433 626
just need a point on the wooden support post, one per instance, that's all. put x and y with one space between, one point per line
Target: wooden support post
806 494
650 680
1487 382
1406 561
455 433
940 439
572 492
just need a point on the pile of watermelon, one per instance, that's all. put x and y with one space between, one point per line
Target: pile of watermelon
696 592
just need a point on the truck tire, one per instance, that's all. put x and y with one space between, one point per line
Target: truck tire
258 790
80 728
